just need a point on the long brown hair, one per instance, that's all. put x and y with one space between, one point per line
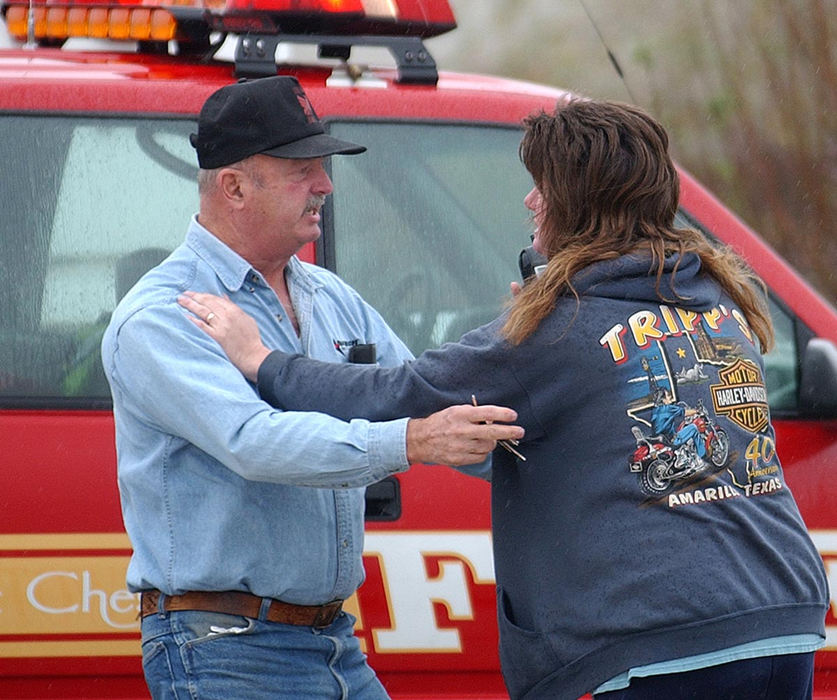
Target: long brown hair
609 188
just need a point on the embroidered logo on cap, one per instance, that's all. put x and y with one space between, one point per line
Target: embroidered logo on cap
306 106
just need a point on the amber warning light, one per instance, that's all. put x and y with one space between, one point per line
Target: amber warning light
51 22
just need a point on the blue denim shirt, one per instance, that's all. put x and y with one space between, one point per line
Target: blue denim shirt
219 490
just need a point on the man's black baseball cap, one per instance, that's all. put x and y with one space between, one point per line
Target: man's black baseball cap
269 115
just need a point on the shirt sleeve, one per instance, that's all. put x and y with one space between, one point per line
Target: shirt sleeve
171 375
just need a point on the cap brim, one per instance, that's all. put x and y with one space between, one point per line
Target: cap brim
315 146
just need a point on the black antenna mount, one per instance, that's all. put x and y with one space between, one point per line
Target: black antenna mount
255 54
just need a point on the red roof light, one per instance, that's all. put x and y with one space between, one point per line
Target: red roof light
335 26
130 18
310 8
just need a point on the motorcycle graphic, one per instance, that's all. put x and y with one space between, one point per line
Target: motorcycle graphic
662 461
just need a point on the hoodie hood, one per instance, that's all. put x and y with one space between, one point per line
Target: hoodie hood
631 278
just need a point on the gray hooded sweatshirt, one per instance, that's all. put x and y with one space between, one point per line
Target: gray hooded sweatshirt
651 519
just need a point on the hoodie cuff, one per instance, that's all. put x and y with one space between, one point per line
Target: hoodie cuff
268 372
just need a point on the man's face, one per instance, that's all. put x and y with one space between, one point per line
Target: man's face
285 201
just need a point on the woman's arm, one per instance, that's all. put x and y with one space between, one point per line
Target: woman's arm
441 420
477 366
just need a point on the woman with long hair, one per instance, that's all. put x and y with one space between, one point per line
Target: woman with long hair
598 199
646 544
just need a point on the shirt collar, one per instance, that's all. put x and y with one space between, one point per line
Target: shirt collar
301 277
231 268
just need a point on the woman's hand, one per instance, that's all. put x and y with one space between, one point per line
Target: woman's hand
235 331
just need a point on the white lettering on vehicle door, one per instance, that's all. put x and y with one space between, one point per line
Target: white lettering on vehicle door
411 593
120 601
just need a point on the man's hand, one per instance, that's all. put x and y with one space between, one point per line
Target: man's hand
460 435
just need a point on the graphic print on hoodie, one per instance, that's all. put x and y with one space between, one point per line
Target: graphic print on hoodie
698 404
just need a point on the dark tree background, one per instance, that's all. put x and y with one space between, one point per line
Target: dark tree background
747 90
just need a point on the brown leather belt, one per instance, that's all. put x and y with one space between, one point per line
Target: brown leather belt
245 604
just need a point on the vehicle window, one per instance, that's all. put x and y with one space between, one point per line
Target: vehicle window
90 204
430 222
782 362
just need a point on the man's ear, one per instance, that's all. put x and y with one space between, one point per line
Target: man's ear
231 183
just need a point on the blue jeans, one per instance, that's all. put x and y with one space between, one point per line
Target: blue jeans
201 655
783 677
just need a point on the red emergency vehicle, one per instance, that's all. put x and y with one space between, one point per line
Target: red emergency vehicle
98 185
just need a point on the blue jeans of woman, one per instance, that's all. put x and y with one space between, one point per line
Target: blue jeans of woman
782 677
202 655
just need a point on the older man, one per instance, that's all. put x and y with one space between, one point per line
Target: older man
246 521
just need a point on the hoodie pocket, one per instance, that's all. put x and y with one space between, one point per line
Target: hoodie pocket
526 656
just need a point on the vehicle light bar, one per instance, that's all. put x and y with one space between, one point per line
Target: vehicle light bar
56 23
52 21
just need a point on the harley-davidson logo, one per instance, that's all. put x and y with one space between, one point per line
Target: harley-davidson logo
741 396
